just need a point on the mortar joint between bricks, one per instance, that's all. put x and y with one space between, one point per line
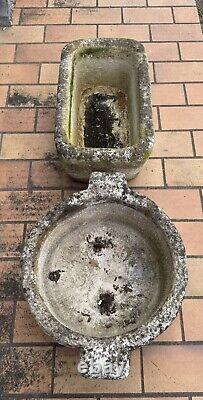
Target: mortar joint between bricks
173 15
193 144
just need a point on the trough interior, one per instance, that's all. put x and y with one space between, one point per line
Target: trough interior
104 270
104 95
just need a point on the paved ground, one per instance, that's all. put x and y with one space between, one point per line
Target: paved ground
30 183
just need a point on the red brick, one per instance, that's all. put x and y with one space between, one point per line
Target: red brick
155 118
26 328
162 51
13 120
23 34
198 139
191 51
186 14
194 93
21 206
71 3
31 3
147 15
184 172
72 382
167 94
49 174
179 72
44 16
193 319
176 32
46 120
14 174
32 95
173 368
63 33
181 117
177 203
138 32
192 233
29 369
171 2
122 3
44 52
19 73
49 73
16 16
3 95
11 275
172 144
7 52
171 334
96 15
195 275
6 317
27 146
150 175
11 236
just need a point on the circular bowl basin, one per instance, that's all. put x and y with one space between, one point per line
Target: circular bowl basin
105 271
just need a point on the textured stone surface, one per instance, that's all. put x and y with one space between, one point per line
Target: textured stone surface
67 381
96 70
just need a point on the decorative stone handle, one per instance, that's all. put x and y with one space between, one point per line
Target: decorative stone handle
109 184
104 362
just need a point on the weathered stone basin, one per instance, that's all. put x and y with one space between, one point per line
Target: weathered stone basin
105 272
104 116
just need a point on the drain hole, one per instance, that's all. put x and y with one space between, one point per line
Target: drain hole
99 243
54 276
106 303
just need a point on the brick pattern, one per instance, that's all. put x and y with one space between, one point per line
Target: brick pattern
31 182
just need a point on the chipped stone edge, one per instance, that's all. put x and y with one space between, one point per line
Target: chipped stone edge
105 188
131 158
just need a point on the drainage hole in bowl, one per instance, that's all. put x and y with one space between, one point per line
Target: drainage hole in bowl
106 303
54 276
100 243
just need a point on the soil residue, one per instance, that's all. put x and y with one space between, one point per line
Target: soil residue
21 368
99 122
66 3
100 243
11 282
31 206
6 319
17 99
106 303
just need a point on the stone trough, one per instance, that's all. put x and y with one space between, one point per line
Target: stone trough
104 114
105 272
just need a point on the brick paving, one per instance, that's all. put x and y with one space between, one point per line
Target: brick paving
31 182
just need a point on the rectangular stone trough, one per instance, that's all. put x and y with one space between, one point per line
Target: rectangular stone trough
104 116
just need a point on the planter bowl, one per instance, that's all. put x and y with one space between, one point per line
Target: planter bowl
105 271
104 114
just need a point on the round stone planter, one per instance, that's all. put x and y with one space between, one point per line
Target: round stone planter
104 114
105 272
